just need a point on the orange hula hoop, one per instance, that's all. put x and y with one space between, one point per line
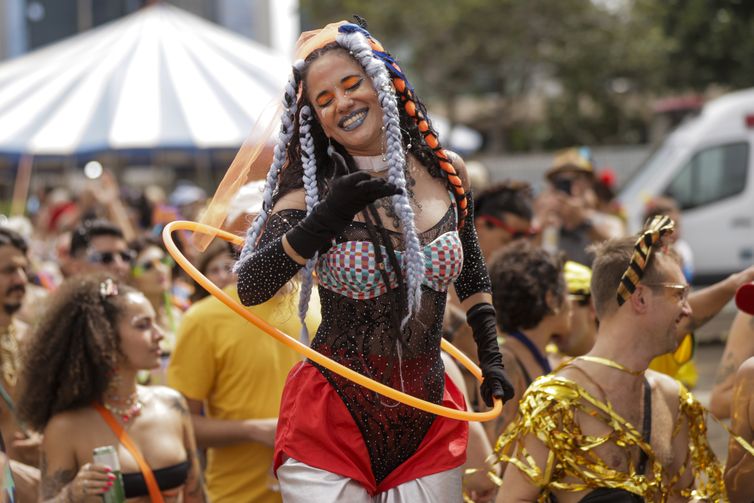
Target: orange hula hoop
308 352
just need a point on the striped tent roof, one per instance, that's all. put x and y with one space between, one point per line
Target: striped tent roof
158 78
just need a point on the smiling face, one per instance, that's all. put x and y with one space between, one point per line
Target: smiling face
139 333
670 302
345 102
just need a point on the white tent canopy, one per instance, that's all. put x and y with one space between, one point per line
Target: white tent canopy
159 78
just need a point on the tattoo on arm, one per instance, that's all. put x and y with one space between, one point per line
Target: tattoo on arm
51 485
177 403
195 484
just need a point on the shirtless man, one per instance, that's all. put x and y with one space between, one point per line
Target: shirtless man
649 414
739 470
22 446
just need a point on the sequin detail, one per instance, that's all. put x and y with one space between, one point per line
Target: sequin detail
350 268
548 410
360 334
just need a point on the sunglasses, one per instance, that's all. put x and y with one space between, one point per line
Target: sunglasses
681 290
144 267
515 233
108 257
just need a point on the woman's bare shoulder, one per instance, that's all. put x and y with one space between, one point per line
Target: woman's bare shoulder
294 200
166 396
70 423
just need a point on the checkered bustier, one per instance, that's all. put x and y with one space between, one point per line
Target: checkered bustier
350 268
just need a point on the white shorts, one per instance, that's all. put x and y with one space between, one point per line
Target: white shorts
302 483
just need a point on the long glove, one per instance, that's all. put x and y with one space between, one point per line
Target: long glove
347 196
481 319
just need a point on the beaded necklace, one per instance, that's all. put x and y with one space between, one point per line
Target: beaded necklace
9 355
130 410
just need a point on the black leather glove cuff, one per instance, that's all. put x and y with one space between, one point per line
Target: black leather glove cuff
481 319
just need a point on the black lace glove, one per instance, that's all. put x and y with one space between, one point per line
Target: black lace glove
348 195
481 319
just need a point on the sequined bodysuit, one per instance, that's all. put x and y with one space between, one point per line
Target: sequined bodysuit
358 328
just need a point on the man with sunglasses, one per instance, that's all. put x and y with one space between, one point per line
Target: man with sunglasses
603 427
99 246
502 214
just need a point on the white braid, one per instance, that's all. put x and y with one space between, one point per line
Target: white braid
278 161
309 161
357 44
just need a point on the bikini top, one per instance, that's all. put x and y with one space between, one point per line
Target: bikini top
350 268
167 478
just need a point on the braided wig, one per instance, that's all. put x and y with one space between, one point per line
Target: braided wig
72 352
303 155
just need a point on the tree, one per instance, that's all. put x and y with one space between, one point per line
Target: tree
507 50
711 42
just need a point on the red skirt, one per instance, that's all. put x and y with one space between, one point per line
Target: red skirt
316 428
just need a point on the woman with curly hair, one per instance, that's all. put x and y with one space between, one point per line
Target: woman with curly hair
79 387
531 300
361 191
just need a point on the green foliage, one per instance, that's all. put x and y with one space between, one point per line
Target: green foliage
596 64
711 41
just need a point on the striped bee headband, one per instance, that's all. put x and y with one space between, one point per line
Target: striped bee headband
659 227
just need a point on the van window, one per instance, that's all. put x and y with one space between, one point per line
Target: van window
711 175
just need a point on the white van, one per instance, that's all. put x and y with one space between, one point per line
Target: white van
706 165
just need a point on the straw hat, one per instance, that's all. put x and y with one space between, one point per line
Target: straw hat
576 159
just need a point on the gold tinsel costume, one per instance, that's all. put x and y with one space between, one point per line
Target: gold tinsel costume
548 411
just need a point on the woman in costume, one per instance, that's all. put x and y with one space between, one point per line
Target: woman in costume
361 191
79 387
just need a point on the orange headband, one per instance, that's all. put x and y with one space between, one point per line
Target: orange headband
240 170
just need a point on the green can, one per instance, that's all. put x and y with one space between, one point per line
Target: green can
108 456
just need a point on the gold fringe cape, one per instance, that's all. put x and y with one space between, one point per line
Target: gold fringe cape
548 411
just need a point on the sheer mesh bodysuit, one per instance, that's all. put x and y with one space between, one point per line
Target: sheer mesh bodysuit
361 335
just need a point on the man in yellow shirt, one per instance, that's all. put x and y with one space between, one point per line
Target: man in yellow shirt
234 373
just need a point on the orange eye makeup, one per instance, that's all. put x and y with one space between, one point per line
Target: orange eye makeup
351 82
348 83
324 99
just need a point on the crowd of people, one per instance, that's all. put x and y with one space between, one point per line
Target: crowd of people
372 241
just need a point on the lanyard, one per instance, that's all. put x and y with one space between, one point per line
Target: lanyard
154 489
534 350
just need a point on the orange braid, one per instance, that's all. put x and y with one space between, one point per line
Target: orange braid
430 137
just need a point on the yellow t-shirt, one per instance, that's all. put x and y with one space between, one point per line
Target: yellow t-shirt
239 372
